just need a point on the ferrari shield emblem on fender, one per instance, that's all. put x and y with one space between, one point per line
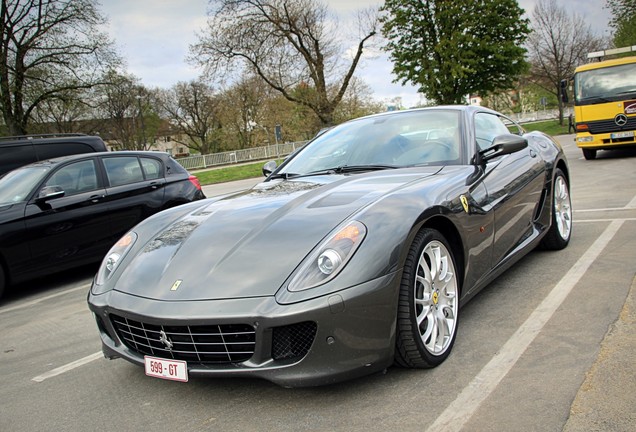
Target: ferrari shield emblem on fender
464 201
176 284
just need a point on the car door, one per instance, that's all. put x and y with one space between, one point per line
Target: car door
514 185
136 186
72 228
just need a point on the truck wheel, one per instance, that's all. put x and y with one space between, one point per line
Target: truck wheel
589 154
3 281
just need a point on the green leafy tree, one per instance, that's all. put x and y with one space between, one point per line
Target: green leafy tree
623 22
451 49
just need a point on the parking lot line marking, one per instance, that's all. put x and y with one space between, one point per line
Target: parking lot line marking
41 299
595 210
604 220
457 414
68 367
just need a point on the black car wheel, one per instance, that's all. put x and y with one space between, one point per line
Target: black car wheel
429 303
560 231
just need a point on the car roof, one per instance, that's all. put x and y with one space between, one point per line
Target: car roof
464 108
62 159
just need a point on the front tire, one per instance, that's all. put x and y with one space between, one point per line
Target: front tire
429 303
589 154
560 231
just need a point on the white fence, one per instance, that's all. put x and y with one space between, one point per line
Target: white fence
540 115
239 156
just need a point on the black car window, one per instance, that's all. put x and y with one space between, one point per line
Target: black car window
75 178
123 170
152 168
16 186
487 127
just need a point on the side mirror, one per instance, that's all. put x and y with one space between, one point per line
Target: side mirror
503 145
269 168
50 192
564 91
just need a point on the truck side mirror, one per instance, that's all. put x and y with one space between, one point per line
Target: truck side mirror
564 91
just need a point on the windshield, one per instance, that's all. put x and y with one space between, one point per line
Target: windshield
17 185
413 138
607 84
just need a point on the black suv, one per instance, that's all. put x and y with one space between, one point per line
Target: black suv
17 151
66 212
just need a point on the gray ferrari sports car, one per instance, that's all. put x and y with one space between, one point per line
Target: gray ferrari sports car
354 254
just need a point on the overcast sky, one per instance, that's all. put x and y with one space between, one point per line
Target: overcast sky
154 37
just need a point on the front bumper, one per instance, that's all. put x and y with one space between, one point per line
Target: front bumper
354 331
605 141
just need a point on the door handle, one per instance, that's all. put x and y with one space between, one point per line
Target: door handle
96 198
533 153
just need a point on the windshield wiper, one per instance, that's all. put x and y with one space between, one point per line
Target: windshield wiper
348 169
336 170
626 92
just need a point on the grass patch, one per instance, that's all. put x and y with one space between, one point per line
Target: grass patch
230 173
551 127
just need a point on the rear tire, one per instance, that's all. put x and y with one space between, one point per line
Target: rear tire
589 154
428 304
560 231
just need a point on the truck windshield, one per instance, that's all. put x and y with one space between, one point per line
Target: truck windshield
605 84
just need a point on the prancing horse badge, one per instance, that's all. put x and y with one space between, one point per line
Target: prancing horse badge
464 201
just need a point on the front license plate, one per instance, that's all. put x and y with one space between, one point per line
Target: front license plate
622 135
175 370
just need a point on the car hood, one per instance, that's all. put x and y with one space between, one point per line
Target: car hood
248 244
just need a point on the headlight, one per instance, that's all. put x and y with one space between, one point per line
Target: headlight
330 257
114 257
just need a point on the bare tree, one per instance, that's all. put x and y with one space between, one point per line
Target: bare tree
290 44
357 102
245 113
68 113
126 112
559 42
192 108
47 48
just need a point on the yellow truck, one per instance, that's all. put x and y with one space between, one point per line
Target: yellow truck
605 104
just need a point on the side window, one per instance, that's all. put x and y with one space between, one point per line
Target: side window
75 178
512 127
123 170
152 168
487 127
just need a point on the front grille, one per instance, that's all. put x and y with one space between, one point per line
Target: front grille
293 341
227 343
608 126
